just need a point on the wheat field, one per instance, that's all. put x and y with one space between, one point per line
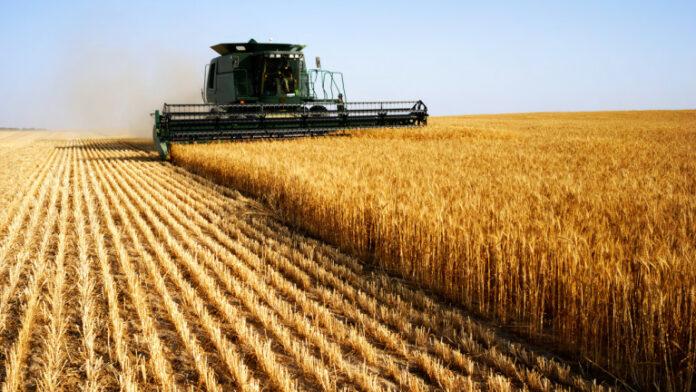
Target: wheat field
573 228
122 272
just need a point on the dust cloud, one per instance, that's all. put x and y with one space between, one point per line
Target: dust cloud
114 90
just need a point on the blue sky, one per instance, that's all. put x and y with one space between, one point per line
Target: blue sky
107 64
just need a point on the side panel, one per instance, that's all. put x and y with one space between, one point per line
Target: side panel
225 93
225 88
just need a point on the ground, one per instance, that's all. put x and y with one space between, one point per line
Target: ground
120 271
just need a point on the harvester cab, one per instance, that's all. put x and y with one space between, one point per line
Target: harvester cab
252 72
262 90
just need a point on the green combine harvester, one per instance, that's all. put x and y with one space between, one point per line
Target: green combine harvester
264 90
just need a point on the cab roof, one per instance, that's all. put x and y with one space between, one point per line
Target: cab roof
253 46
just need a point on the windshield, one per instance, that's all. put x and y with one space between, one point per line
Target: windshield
279 76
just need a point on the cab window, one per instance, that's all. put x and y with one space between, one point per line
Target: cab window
211 76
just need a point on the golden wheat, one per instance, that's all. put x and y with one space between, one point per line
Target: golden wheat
20 348
122 272
55 351
159 365
397 319
579 227
127 378
157 206
86 289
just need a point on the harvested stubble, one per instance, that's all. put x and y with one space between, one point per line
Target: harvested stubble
574 227
121 272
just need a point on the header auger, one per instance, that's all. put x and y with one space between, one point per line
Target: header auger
264 90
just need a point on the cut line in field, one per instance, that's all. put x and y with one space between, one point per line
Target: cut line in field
124 272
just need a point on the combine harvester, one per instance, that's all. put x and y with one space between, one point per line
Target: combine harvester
264 90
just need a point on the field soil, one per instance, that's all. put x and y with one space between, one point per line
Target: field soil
122 272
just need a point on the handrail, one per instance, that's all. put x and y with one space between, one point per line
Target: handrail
205 85
329 81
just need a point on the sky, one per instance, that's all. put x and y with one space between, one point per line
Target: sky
102 64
